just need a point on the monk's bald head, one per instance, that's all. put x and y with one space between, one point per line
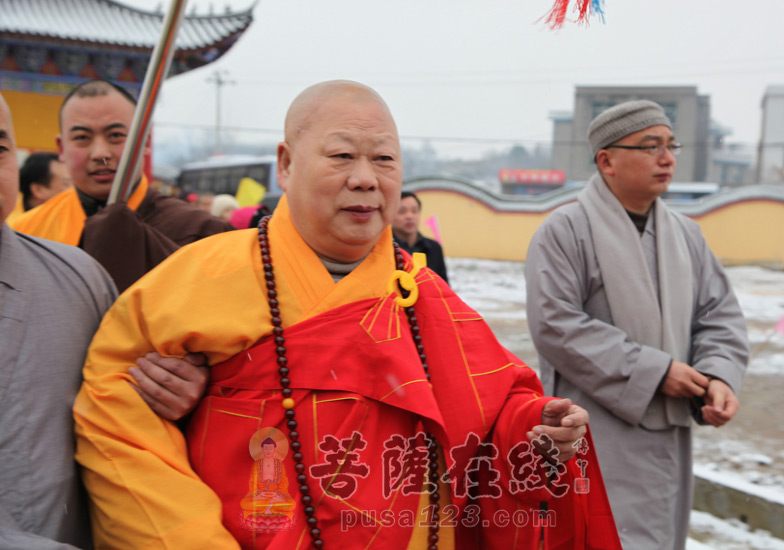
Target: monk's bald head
5 113
306 106
340 166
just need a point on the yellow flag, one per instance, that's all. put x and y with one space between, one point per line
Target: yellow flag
250 192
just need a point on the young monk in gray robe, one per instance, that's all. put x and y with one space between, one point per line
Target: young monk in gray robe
634 319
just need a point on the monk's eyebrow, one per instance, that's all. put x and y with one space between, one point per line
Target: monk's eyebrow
4 135
652 137
113 126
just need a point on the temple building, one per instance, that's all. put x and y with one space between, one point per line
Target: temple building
49 46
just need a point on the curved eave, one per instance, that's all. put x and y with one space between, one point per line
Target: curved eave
107 24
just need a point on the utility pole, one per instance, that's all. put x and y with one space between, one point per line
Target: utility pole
218 77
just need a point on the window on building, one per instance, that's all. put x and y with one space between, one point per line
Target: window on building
598 107
670 109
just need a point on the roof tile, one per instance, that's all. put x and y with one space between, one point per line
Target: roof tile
110 22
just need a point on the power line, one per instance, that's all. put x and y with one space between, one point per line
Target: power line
688 65
541 76
220 82
453 139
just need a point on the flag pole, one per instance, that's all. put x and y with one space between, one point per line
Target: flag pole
140 127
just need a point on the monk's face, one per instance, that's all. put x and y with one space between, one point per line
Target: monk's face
342 174
92 139
9 167
636 177
406 221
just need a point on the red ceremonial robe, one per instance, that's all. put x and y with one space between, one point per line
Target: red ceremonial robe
343 363
360 397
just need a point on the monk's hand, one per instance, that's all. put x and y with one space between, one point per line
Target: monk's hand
172 387
564 423
721 404
684 381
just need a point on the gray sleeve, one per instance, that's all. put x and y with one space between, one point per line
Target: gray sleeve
12 537
101 286
719 341
562 284
96 279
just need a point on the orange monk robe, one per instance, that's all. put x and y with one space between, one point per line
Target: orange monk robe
129 239
17 211
62 217
143 490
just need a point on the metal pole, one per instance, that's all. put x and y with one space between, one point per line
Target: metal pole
218 85
220 82
140 128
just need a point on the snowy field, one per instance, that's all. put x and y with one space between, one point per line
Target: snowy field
747 452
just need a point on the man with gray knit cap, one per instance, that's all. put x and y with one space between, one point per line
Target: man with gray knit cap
634 319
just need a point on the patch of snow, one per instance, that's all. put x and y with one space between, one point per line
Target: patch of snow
757 458
728 535
767 364
692 544
729 479
765 308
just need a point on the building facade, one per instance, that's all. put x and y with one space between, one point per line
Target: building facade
47 47
770 156
688 111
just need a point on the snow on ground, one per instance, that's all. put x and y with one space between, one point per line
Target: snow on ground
493 287
761 295
712 473
709 532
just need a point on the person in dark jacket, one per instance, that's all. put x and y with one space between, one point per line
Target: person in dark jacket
405 226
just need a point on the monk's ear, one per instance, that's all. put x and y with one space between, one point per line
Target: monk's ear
59 140
39 191
284 164
604 163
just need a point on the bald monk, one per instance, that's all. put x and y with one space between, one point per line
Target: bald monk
126 239
409 426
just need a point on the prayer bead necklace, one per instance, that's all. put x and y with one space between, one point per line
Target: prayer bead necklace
288 403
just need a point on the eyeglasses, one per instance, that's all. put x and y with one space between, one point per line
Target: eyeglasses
652 150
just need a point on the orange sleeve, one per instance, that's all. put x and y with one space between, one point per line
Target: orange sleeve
143 492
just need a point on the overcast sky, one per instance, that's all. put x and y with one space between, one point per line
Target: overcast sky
482 69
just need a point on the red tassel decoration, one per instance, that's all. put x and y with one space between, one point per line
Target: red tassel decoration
557 16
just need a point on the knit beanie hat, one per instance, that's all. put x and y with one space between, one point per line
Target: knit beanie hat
623 119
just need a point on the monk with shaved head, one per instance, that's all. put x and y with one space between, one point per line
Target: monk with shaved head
395 418
128 238
341 169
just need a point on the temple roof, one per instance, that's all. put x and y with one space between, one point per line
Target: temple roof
107 22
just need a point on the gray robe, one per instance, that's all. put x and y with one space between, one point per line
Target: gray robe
583 356
52 298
